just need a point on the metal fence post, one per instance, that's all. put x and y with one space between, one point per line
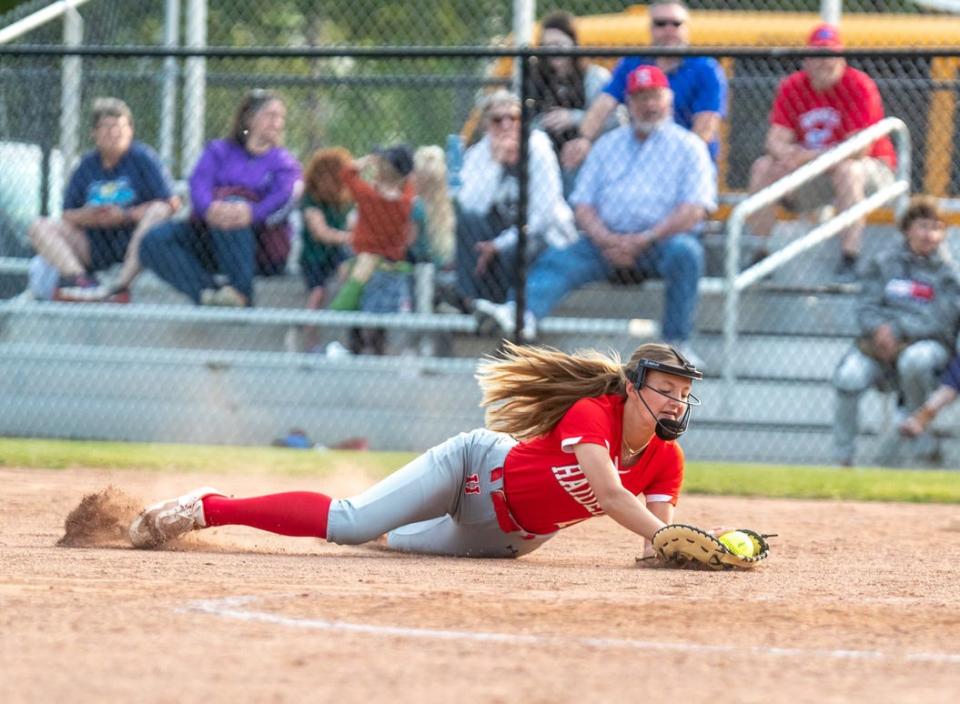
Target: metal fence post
523 184
194 88
831 11
523 13
168 100
71 89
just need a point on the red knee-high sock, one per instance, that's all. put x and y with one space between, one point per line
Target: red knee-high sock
298 513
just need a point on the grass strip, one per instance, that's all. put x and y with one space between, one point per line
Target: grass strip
711 478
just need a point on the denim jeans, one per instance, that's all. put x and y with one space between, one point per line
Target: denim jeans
495 282
187 257
678 260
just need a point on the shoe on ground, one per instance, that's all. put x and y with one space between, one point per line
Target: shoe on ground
170 519
224 297
356 444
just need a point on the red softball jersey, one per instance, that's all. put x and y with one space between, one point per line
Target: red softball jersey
545 487
820 120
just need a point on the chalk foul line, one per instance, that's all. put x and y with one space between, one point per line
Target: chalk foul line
235 607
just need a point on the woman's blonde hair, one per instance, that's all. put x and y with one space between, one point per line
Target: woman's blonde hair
430 167
527 390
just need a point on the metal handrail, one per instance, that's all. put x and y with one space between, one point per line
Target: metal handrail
738 281
38 18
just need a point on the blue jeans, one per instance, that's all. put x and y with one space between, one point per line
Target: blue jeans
678 260
495 282
187 256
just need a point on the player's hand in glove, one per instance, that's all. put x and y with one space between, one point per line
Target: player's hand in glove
682 546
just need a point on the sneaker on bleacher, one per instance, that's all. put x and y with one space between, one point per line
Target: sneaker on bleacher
493 318
85 288
225 296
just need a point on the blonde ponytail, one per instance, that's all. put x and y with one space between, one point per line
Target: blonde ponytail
527 390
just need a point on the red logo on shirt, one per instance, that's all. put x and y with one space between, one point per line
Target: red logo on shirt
908 288
472 485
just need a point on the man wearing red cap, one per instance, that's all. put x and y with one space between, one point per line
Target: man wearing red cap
698 83
640 196
815 109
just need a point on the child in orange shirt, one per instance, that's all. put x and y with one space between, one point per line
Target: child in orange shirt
384 229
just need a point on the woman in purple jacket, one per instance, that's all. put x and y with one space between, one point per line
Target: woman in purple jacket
242 190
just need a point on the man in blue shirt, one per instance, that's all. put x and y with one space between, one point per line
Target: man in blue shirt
117 192
641 194
698 84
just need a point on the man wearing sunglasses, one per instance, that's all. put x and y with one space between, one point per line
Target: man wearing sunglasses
640 198
698 84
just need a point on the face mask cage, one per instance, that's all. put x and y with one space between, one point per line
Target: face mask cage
668 429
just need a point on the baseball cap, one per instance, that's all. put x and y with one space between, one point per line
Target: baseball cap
646 77
825 35
399 156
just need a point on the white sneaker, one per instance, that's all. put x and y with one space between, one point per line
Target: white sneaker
336 350
170 519
225 296
503 316
500 315
529 326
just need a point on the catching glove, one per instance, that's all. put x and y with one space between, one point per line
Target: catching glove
682 546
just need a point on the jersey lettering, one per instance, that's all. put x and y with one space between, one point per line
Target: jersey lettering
572 480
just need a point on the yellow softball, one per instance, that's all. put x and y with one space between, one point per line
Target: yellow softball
738 542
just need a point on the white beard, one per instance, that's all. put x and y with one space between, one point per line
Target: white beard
645 129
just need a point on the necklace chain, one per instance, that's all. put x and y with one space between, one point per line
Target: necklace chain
630 451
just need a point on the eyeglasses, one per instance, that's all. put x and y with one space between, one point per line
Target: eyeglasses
667 23
506 117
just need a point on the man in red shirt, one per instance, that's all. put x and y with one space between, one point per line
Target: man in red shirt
816 109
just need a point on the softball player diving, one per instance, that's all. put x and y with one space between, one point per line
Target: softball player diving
567 437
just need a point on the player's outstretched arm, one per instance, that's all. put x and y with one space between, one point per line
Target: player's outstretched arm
618 503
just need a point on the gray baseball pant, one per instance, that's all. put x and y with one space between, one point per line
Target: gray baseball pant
439 504
916 378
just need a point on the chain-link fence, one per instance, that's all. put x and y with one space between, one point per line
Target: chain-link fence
392 359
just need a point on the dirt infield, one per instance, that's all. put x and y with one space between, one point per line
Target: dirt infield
854 606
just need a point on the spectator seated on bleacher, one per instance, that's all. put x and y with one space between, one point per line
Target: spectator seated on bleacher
326 235
698 83
908 319
563 87
815 109
117 192
242 190
640 196
487 202
434 219
378 278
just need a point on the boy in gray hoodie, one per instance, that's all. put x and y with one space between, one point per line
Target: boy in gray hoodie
907 318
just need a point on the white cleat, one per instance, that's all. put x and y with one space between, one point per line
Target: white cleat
170 519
